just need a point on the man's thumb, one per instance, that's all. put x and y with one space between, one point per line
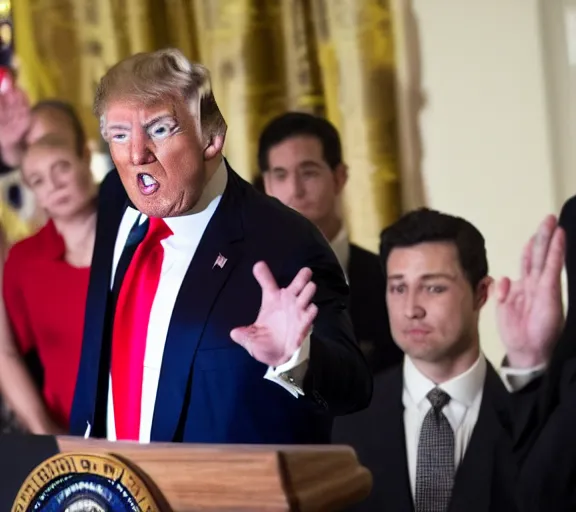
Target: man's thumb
240 335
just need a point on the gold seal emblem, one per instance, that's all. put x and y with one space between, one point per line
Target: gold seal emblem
78 482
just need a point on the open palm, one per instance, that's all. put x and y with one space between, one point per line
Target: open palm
529 310
14 117
284 320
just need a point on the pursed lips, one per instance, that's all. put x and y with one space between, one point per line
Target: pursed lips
419 331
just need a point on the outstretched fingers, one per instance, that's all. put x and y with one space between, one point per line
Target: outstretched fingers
541 244
299 283
265 278
554 263
305 298
503 288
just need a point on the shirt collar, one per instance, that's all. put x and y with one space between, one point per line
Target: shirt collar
341 247
213 189
463 388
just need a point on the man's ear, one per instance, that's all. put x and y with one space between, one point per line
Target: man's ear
214 147
483 291
340 177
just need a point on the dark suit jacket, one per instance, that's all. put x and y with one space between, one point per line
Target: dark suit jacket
210 389
485 478
368 310
548 442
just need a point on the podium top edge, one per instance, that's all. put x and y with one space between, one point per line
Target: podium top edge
247 448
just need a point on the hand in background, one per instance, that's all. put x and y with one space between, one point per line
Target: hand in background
529 310
15 120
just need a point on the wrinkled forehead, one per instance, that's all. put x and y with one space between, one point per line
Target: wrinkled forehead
137 113
42 157
298 153
424 259
131 112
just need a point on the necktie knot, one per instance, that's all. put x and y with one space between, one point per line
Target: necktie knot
158 229
438 398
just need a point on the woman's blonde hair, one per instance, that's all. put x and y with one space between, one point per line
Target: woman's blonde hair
155 76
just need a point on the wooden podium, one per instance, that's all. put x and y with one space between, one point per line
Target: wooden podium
240 477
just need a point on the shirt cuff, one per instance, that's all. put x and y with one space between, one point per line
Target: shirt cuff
515 379
290 375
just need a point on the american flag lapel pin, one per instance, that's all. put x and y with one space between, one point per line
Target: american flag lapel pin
220 261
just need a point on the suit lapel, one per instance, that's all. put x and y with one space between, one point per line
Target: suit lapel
96 344
393 469
200 288
476 474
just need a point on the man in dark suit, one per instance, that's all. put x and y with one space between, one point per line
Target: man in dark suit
181 342
300 157
439 432
547 445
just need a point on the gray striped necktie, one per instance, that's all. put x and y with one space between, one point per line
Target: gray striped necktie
435 464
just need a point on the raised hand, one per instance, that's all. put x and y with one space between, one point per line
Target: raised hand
14 123
529 311
284 320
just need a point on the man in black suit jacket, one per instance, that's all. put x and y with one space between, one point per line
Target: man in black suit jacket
300 157
437 274
181 343
547 444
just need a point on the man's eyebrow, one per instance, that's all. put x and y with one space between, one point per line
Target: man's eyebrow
157 118
309 163
426 277
118 126
146 125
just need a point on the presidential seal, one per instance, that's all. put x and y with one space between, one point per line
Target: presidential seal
74 482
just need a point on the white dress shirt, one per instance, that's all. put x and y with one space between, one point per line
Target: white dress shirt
462 411
179 249
341 246
517 378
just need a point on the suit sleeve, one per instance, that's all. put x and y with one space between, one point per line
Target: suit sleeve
559 373
536 405
338 378
568 222
546 480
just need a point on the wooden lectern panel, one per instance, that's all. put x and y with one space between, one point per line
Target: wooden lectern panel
242 477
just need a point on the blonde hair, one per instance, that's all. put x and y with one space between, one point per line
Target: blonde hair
49 141
151 77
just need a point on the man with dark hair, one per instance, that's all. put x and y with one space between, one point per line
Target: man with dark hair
300 157
439 433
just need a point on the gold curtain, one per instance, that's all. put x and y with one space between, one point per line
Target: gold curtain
330 57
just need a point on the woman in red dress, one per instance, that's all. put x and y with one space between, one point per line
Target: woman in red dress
45 286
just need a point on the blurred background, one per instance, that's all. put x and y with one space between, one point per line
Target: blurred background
460 105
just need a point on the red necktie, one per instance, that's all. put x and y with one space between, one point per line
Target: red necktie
130 329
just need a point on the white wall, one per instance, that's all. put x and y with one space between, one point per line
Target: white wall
485 127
